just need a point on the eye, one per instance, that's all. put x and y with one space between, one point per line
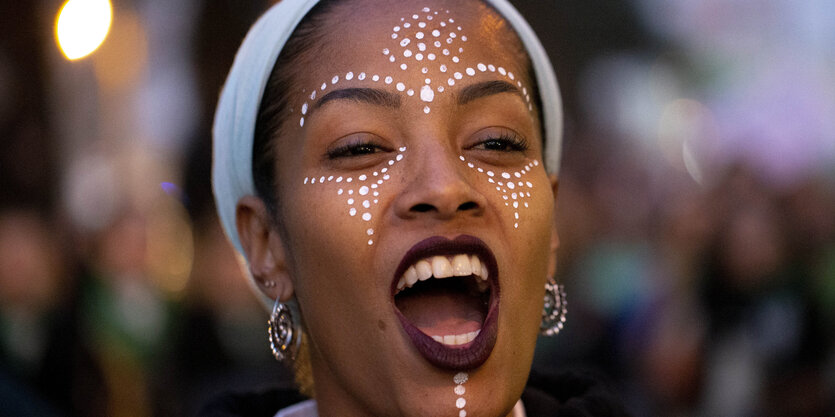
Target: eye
355 146
500 140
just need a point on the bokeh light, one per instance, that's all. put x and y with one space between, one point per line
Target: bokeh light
82 26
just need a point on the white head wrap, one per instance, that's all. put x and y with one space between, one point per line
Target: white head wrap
237 109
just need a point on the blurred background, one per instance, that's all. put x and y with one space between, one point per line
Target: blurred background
696 207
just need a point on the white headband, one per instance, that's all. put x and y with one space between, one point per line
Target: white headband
237 109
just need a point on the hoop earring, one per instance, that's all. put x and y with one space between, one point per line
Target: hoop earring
284 332
554 310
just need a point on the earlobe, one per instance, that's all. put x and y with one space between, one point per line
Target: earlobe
263 248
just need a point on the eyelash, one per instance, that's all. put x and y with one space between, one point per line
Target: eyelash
509 142
504 142
354 149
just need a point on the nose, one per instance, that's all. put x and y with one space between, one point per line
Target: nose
438 188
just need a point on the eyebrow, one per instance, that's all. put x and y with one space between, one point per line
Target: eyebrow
362 95
485 89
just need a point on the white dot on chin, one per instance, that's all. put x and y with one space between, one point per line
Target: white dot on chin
426 109
366 216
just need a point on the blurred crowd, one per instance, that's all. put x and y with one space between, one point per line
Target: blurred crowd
695 211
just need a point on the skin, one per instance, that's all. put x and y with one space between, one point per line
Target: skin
363 362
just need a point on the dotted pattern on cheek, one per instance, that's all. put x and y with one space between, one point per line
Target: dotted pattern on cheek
512 185
363 192
432 41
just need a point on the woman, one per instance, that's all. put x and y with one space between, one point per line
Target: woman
393 187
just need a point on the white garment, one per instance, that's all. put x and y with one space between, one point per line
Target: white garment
308 409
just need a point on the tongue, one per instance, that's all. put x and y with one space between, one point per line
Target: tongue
439 312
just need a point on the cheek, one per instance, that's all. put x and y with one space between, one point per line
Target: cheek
354 197
514 188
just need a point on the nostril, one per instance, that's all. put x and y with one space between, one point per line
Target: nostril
470 205
422 207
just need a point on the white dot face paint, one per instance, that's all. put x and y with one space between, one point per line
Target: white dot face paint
430 43
426 94
509 193
362 206
460 379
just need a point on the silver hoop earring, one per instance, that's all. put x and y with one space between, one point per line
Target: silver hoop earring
284 332
554 309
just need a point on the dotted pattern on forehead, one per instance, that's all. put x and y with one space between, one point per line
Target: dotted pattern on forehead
362 192
513 186
433 42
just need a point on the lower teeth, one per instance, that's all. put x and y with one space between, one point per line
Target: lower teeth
458 339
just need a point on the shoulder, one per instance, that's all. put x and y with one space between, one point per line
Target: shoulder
254 404
570 394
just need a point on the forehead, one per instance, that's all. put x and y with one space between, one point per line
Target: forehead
420 49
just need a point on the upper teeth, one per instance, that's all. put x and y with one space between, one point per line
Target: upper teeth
444 267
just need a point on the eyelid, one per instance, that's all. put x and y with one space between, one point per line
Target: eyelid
512 137
340 147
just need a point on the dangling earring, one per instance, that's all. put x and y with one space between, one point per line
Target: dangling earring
284 332
554 310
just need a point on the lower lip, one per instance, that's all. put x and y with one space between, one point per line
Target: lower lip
468 356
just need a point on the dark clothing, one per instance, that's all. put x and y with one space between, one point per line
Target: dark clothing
566 395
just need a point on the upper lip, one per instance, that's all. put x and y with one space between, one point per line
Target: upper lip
442 246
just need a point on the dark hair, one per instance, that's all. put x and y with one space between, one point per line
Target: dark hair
275 109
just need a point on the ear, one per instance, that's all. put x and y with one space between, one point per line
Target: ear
264 248
555 238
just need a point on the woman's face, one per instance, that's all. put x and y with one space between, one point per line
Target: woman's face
417 213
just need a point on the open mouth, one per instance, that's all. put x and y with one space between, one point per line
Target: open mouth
445 293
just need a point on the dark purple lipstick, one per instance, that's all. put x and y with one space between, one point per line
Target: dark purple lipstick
457 357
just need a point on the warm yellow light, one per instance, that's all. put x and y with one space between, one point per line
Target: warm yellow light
82 26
